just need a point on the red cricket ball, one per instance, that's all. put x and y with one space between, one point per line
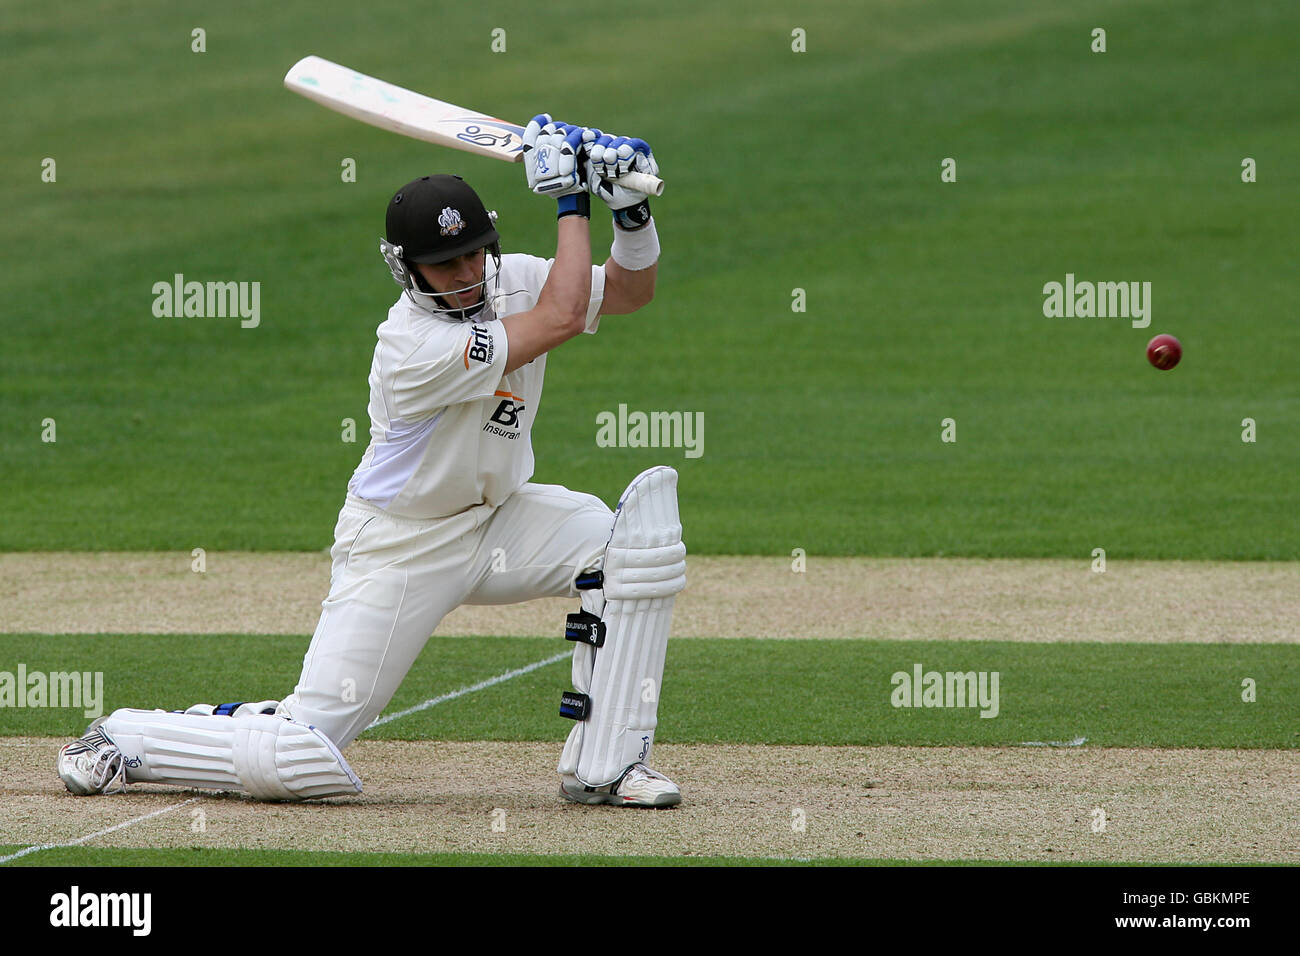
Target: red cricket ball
1164 351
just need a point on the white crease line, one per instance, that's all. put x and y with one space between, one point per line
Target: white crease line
481 685
1076 742
97 833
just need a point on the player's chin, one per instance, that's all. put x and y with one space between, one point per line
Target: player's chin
462 300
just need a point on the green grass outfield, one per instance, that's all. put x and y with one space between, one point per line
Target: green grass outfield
736 691
816 170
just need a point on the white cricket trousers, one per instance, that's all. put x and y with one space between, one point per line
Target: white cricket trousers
393 579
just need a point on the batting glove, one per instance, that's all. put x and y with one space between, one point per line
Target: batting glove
551 157
609 157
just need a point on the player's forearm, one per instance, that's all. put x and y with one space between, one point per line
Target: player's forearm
567 292
627 290
561 310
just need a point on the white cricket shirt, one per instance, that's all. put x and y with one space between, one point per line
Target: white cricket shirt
449 431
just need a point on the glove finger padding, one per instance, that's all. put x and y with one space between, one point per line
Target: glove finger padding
596 154
534 129
623 155
612 156
551 158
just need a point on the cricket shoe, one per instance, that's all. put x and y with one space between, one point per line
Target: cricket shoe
638 787
93 763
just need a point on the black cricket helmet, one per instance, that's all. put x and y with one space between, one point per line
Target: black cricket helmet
435 219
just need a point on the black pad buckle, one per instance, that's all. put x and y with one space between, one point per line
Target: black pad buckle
575 706
589 581
585 627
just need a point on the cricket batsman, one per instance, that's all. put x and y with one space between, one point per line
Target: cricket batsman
441 512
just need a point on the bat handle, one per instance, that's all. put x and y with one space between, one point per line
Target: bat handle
642 183
638 182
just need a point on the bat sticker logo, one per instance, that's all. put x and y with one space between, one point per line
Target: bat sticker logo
484 137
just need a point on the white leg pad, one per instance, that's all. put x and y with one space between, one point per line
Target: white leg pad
644 569
270 757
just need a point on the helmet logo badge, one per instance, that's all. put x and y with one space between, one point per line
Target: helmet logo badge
450 221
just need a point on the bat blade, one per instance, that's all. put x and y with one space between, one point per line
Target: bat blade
401 111
420 117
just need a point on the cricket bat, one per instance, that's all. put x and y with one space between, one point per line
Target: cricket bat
421 117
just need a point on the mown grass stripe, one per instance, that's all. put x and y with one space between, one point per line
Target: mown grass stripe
823 692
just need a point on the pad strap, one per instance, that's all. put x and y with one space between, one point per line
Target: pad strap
585 627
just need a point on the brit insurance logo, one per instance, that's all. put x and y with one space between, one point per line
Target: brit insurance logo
505 420
450 222
479 347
